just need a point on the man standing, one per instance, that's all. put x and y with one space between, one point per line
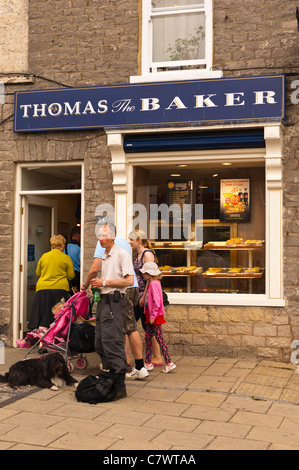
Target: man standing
117 274
138 372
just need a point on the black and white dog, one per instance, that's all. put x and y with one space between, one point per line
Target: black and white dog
42 372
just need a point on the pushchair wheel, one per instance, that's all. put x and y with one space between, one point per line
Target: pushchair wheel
70 366
81 363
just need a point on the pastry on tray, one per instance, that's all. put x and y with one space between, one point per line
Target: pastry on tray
254 270
234 241
213 271
253 242
190 268
179 269
235 270
165 268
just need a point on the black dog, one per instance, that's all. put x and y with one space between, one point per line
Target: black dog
40 372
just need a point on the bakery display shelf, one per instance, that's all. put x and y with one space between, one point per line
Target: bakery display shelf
227 273
176 245
224 246
182 272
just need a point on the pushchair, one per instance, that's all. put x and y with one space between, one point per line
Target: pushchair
72 317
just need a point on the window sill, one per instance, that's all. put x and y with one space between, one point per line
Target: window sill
176 76
247 300
15 79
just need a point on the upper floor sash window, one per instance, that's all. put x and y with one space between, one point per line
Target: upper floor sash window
177 35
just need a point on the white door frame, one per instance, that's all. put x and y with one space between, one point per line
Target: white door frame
19 224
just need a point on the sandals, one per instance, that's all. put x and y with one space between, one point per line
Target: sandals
169 368
23 345
166 369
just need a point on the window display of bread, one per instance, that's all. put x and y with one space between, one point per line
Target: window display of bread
190 269
165 268
234 241
254 242
254 270
213 270
235 270
179 269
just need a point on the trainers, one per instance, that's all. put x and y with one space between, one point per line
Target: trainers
149 367
169 368
136 374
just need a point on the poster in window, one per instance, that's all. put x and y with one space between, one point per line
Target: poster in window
235 200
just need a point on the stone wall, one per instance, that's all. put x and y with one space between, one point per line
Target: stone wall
84 42
228 332
13 36
253 37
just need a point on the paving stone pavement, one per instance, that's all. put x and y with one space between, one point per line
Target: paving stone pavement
204 404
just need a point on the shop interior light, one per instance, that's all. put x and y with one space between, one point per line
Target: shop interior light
175 174
215 176
182 165
226 164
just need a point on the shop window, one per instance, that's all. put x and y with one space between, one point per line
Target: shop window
177 39
207 225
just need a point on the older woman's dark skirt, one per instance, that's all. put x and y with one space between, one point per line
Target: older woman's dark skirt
41 313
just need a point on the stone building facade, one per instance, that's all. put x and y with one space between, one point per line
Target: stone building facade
83 43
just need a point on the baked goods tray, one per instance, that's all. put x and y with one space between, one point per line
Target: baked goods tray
224 246
245 273
182 272
177 245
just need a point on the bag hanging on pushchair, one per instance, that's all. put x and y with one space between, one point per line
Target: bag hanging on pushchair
82 337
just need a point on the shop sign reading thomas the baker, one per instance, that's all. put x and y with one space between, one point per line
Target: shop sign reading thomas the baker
198 101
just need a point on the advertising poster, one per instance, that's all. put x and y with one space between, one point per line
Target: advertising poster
180 193
235 200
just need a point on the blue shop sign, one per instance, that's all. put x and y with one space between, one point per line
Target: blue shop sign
151 104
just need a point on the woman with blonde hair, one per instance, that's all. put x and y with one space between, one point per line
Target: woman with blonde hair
54 270
143 253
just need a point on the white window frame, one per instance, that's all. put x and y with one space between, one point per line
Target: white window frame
122 165
147 41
